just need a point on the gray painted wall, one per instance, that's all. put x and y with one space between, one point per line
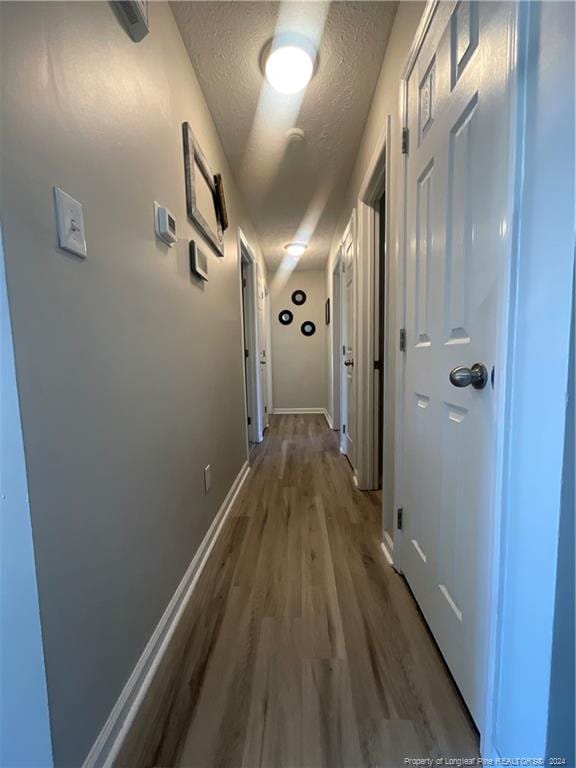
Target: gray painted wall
129 371
24 722
299 362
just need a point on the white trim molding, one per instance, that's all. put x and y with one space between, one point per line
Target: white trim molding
335 335
299 410
109 742
376 182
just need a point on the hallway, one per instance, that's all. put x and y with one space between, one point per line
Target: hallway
283 432
305 647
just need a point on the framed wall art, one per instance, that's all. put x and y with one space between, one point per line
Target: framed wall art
194 159
198 261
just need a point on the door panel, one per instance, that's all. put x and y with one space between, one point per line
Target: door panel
457 214
349 378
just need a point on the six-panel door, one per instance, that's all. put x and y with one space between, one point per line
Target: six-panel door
457 208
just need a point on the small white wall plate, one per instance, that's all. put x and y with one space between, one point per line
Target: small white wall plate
70 223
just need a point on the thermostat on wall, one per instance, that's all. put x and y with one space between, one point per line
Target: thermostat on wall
164 224
198 261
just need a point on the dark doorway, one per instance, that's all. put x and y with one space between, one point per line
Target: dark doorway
381 310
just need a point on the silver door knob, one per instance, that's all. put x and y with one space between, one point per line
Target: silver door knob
347 363
477 376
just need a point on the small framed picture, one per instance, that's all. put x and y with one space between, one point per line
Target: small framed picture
327 311
198 261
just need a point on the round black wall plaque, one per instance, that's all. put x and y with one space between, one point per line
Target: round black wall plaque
285 317
298 297
308 328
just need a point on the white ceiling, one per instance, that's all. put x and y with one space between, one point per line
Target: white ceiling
294 190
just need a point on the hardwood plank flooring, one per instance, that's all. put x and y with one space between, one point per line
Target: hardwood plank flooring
305 648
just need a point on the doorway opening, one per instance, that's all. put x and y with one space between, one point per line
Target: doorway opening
336 363
379 363
377 354
248 275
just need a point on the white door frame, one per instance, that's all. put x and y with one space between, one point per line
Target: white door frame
524 350
252 387
536 367
400 285
376 182
336 322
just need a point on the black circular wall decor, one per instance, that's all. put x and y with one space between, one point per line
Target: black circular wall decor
285 317
308 328
298 297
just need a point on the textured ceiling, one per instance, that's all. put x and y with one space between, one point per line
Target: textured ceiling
293 189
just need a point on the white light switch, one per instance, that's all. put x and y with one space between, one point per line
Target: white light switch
70 222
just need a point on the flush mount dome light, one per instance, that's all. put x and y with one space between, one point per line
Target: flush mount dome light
289 64
295 249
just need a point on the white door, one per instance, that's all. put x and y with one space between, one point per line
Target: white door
263 384
348 327
457 216
267 367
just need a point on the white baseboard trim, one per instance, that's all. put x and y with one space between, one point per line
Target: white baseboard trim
328 419
299 410
108 744
387 554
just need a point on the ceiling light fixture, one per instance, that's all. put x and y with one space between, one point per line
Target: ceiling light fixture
295 249
289 66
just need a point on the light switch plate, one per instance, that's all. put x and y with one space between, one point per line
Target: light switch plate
70 223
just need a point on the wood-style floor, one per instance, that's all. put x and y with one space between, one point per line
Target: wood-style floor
306 649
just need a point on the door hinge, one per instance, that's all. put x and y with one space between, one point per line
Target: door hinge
344 350
343 429
376 365
405 141
265 409
402 339
245 353
249 421
399 516
243 282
